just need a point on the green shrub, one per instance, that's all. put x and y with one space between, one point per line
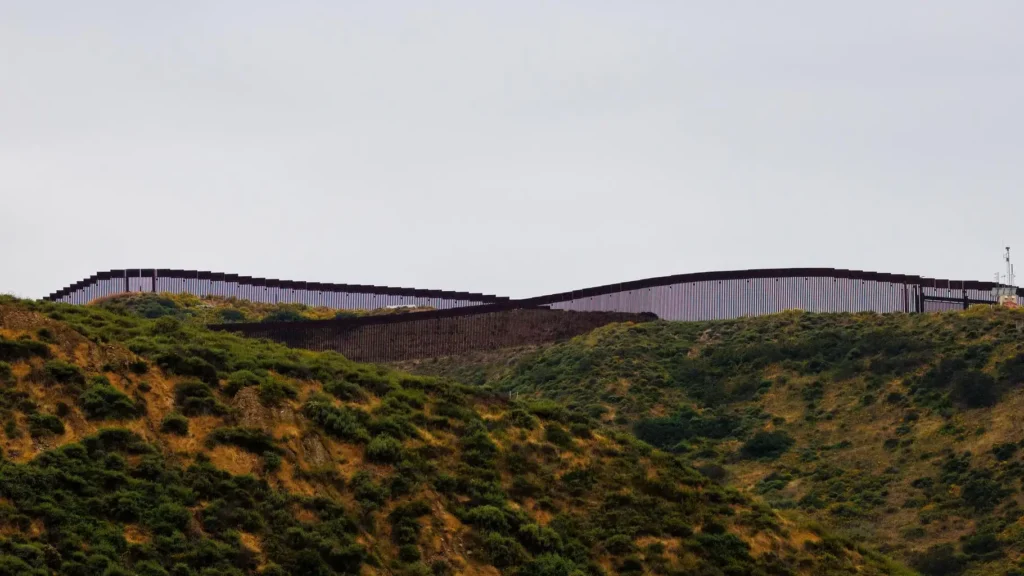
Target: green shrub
619 545
166 325
11 429
539 539
974 389
44 425
61 372
345 423
184 363
1005 451
346 391
441 567
520 418
384 450
15 350
241 379
405 528
285 315
101 401
6 374
271 461
548 410
549 565
666 433
366 491
504 552
231 315
489 518
174 423
558 436
252 440
409 553
939 560
196 398
767 445
273 392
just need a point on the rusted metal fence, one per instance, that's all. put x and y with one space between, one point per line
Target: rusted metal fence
434 333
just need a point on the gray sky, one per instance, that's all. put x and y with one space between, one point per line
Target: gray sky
516 148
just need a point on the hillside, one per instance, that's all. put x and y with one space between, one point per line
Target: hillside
216 309
141 446
902 431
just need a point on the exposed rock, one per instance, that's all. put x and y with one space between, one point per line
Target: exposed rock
251 413
314 451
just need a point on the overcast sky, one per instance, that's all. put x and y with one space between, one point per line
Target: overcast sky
515 148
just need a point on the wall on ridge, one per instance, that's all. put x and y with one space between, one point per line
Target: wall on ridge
265 290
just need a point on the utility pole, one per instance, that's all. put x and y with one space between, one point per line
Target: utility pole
1006 294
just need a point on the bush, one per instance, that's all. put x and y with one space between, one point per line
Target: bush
558 436
231 315
405 528
767 445
241 379
252 440
1005 451
345 423
366 491
939 560
183 364
384 450
974 389
548 410
549 565
285 315
489 518
539 539
6 374
196 398
64 373
273 392
344 390
175 423
982 545
101 401
15 350
520 418
504 552
666 433
271 461
619 545
166 325
44 425
409 553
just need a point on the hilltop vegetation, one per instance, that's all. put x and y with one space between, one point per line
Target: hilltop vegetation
900 431
216 309
154 446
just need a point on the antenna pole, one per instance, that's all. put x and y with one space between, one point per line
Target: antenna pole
1009 269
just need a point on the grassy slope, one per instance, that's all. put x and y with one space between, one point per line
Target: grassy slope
157 447
905 429
215 309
